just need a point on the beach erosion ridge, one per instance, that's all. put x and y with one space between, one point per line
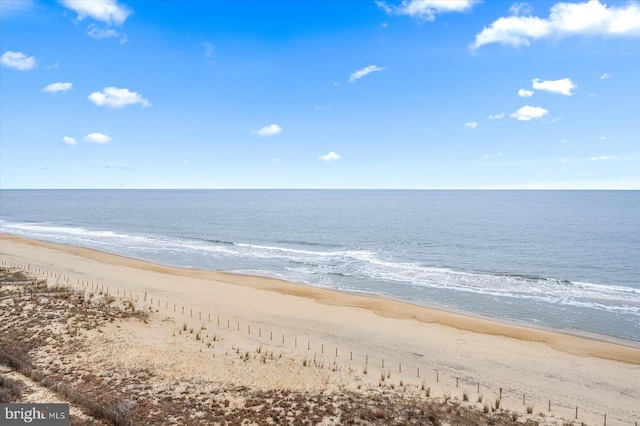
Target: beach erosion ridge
220 347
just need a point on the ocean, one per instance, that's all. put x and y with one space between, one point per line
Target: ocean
561 260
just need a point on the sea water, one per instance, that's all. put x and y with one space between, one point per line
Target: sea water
566 260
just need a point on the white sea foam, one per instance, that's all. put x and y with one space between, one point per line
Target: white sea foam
330 267
62 231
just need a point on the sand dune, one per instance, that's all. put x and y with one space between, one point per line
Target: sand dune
354 333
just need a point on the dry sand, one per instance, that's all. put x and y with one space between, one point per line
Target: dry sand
598 377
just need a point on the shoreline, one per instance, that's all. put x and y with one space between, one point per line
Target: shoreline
218 334
587 344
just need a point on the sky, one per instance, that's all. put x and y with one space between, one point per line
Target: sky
414 94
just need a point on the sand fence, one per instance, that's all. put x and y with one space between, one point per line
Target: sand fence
336 358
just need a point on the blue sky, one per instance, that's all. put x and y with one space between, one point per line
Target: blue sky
319 94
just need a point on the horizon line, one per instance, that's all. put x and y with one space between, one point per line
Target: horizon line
318 189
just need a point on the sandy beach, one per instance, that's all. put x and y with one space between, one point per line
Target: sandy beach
200 322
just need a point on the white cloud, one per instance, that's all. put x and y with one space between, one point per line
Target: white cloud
97 138
209 49
118 167
15 7
603 138
364 71
331 156
18 60
563 86
521 9
114 97
497 116
605 76
525 93
565 20
270 130
69 141
527 113
602 158
100 33
57 87
108 11
471 125
427 9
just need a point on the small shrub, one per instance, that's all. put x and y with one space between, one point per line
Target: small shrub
434 419
5 396
465 396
